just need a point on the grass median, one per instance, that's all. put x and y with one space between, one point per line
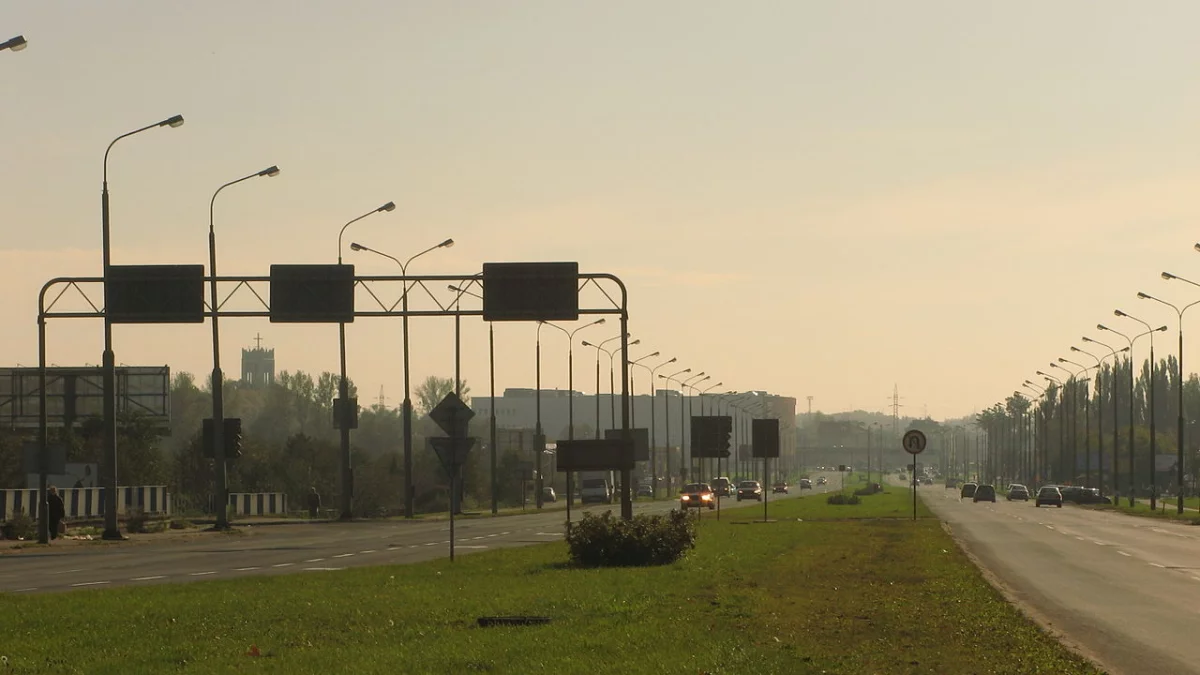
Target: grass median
820 588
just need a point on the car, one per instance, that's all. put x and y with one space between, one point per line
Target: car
805 484
927 481
968 491
698 495
985 493
749 489
779 487
548 494
1049 495
822 480
721 486
645 491
951 483
1082 495
1017 491
903 476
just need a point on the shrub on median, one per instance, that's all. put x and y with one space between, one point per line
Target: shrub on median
873 488
840 498
605 541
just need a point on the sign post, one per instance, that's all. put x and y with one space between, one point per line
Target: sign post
914 444
453 416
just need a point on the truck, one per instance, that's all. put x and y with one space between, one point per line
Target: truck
596 487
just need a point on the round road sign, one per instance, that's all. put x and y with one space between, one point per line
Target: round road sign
913 442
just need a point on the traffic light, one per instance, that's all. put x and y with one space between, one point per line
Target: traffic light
232 437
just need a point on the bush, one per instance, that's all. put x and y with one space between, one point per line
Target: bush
605 541
135 521
180 523
840 498
20 526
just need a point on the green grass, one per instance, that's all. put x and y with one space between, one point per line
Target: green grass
811 592
1166 509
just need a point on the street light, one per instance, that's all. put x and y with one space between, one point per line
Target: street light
344 414
1043 462
16 44
1062 423
1100 406
683 385
1113 353
667 424
408 477
1153 442
111 530
612 395
571 387
1179 312
1131 341
1087 412
221 501
653 421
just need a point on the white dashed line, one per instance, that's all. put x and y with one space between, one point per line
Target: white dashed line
1125 554
1098 543
492 535
24 590
473 546
432 543
343 555
1049 527
159 576
505 533
370 550
1158 566
323 569
1079 538
315 560
65 571
200 574
244 569
283 565
89 583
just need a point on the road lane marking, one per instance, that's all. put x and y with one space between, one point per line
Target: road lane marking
244 569
479 537
1049 527
283 565
315 560
1158 566
492 535
504 533
89 583
432 543
1079 538
65 571
323 569
200 574
473 546
370 550
1125 554
157 576
1098 543
343 555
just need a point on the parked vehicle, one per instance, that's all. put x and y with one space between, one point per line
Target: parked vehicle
548 494
984 493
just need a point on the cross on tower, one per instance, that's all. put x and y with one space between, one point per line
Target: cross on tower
258 341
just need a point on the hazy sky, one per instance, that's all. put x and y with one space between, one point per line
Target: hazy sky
809 198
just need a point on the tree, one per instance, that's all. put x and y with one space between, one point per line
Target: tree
434 389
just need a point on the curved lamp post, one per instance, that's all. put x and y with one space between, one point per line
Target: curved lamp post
1131 341
1182 428
1041 463
571 387
221 500
667 424
653 422
1150 385
683 432
1113 387
345 416
111 530
1087 412
408 477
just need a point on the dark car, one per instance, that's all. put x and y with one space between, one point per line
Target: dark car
697 495
779 487
1017 491
805 484
721 487
1049 495
645 491
749 489
985 493
1082 495
968 491
927 481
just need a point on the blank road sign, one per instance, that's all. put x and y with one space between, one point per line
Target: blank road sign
595 455
641 441
312 293
543 291
764 438
154 294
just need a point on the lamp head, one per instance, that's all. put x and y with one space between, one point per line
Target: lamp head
17 44
1117 312
597 322
673 359
390 206
1074 349
176 121
1197 247
446 244
1087 339
635 342
1168 276
269 172
1123 349
654 354
1161 329
1142 296
585 343
454 289
355 246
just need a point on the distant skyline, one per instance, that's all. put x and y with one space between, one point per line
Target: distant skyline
822 199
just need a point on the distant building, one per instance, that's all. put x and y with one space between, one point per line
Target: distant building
258 365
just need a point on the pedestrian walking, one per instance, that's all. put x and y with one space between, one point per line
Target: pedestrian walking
314 503
56 511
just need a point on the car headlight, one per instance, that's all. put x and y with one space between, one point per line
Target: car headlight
685 498
706 497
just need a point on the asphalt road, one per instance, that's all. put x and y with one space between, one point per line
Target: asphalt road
284 549
1125 589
